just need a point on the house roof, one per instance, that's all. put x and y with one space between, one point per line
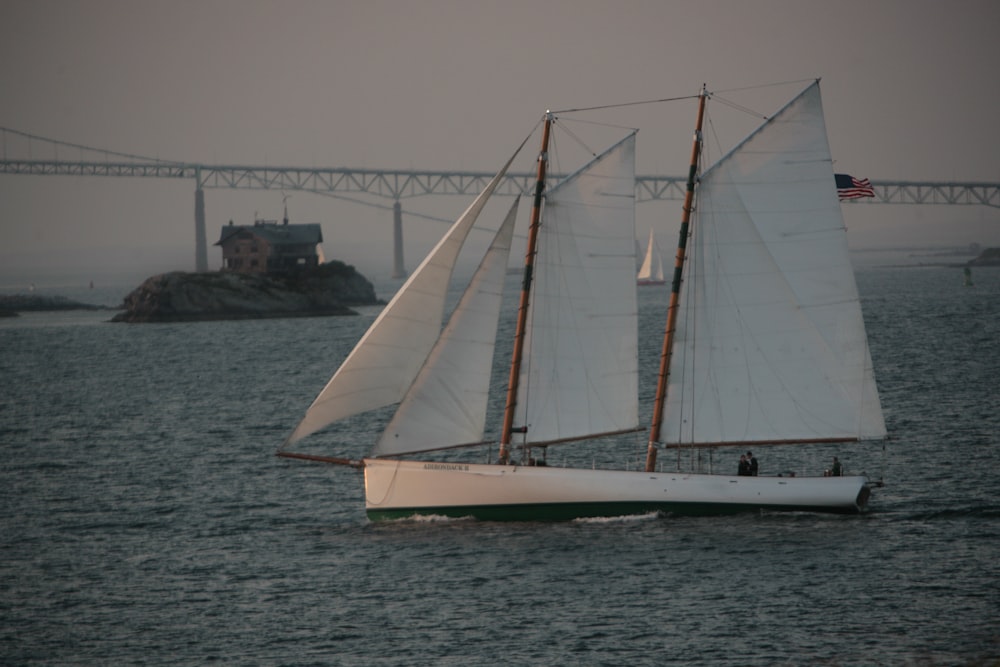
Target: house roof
276 233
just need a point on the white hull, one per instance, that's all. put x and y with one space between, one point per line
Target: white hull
395 489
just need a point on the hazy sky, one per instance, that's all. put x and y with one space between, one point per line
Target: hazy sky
910 88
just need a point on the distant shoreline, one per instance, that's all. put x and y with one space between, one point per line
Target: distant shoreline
13 304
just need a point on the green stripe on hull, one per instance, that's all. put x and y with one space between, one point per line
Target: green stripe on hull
570 511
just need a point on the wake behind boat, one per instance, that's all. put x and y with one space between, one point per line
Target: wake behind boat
768 348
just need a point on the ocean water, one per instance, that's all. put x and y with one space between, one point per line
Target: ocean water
145 519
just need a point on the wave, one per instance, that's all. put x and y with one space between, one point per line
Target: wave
987 512
624 518
431 518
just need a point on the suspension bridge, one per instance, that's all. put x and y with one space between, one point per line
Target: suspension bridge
394 186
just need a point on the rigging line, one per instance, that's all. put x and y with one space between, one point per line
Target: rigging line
715 136
408 213
688 288
87 148
764 85
739 107
577 139
597 123
382 207
628 104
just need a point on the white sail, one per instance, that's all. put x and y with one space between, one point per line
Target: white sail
652 265
771 344
383 364
446 405
580 373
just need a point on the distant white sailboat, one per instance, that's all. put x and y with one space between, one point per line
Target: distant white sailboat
651 271
772 350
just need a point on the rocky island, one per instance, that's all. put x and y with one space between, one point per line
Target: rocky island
329 289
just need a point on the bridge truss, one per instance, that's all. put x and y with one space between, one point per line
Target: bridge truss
397 185
404 184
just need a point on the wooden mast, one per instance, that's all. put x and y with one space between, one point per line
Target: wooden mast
668 334
522 312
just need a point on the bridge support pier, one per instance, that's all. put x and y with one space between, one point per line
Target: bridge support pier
398 269
200 244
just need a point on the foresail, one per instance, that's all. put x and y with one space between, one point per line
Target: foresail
388 357
580 374
446 406
770 341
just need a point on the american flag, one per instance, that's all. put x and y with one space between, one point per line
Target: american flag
849 187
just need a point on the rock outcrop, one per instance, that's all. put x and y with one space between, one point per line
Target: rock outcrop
330 289
989 257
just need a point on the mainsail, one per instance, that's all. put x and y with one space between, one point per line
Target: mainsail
384 363
446 406
580 376
652 266
770 342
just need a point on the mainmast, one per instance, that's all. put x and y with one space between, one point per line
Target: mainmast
668 334
522 312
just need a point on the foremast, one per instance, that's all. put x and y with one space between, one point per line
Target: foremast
668 334
522 311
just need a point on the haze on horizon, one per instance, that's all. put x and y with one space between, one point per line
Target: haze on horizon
909 87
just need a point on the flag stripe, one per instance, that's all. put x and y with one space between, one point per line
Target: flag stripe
849 187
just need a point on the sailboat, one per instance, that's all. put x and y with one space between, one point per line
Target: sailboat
651 271
764 344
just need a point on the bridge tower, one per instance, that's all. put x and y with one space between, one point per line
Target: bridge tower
398 269
200 243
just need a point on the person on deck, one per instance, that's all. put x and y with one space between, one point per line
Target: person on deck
753 464
836 470
744 469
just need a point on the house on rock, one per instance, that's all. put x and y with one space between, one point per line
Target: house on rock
270 247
